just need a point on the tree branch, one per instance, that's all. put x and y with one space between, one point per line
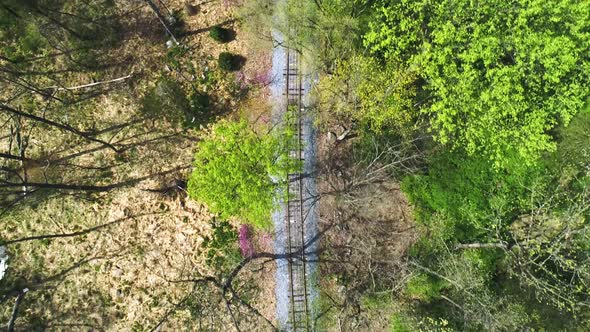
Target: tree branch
14 315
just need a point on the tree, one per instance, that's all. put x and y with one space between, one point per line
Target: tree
500 75
377 96
547 249
459 289
527 227
331 29
237 172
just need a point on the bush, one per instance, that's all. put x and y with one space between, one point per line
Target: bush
573 145
220 34
227 61
399 323
424 287
466 190
175 55
198 109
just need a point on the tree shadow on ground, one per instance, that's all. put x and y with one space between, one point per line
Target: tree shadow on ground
201 30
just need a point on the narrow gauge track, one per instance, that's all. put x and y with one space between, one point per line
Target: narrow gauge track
295 216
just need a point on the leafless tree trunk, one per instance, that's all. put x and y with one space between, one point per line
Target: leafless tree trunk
162 19
64 127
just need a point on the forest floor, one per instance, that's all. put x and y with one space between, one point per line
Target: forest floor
156 237
369 228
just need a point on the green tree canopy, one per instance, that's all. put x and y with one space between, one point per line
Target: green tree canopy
376 97
501 74
237 172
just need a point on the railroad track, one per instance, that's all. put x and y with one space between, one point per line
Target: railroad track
299 311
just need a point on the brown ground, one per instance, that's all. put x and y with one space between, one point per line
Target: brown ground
159 239
370 231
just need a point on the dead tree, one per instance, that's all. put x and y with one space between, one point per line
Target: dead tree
162 19
64 127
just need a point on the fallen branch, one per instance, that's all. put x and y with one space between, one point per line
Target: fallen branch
120 79
480 246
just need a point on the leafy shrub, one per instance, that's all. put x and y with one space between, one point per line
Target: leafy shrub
198 109
573 146
228 61
220 34
175 55
377 301
424 287
466 190
32 41
399 323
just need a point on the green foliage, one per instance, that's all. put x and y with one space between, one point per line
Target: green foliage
227 61
466 191
377 301
237 172
398 323
175 55
334 31
529 215
573 143
378 96
500 75
221 247
425 287
403 322
32 41
199 109
219 34
328 319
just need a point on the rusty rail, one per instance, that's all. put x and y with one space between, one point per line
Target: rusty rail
299 306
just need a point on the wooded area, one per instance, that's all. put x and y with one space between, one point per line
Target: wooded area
139 166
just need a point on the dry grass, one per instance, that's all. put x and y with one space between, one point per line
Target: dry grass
129 285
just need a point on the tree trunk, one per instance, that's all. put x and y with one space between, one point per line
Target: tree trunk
61 126
162 19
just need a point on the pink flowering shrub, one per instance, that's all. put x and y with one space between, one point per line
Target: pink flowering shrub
246 246
259 79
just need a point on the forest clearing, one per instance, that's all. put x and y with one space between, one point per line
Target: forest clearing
281 165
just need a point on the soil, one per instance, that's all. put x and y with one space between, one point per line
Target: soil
369 230
131 284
